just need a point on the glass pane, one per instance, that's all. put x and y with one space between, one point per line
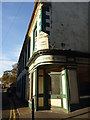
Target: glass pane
73 86
40 71
41 101
55 83
40 85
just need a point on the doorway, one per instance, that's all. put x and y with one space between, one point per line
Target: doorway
53 88
57 89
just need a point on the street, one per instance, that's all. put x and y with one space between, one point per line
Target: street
8 108
5 106
12 108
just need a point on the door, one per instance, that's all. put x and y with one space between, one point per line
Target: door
64 90
55 89
40 89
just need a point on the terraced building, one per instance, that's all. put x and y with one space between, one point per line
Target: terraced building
54 60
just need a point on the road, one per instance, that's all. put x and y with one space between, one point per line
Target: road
11 110
8 109
5 106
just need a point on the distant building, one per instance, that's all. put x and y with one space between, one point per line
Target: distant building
54 63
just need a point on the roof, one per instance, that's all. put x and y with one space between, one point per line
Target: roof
26 37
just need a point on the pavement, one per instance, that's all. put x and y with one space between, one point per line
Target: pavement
25 112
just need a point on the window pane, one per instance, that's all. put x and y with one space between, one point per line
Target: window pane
40 85
55 83
40 71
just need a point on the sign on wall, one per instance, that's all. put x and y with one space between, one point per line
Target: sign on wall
41 42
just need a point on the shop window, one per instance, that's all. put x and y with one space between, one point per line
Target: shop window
40 88
40 80
73 86
34 36
84 80
55 83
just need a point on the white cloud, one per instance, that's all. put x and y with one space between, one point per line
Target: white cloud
14 18
17 19
7 60
5 64
11 17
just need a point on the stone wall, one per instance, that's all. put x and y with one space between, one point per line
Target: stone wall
69 26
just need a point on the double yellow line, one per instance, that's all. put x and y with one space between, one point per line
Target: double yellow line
12 111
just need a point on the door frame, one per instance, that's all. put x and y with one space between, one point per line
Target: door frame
64 72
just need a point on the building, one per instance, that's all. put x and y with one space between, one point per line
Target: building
54 60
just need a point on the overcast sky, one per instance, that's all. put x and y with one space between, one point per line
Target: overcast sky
15 20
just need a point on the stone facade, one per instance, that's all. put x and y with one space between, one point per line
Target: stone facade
55 49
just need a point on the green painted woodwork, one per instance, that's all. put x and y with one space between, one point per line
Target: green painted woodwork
54 96
40 18
30 105
29 45
68 91
36 90
66 96
45 92
44 84
55 107
34 37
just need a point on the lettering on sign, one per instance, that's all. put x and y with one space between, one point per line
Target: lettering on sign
42 42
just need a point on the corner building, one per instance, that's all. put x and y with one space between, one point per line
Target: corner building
54 60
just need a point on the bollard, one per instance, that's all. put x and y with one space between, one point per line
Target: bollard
32 108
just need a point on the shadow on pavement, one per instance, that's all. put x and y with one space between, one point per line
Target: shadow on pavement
18 103
5 101
5 106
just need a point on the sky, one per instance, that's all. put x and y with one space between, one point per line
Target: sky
15 20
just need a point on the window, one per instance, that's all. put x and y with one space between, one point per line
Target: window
35 33
29 48
34 36
84 80
55 83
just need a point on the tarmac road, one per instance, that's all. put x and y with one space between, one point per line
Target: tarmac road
18 111
5 106
8 108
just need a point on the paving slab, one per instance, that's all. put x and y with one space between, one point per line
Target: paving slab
82 113
25 112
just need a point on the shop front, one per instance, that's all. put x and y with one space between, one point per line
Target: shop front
57 87
53 83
